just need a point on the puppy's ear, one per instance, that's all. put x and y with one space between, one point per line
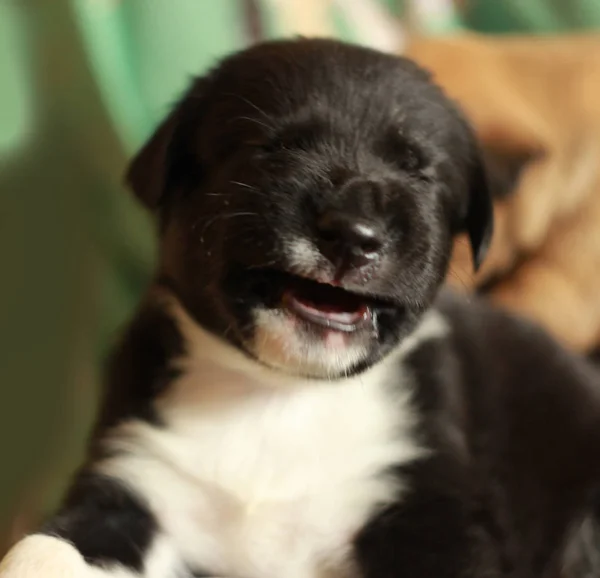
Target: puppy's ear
504 168
149 170
479 220
166 155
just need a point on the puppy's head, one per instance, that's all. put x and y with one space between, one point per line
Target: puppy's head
308 192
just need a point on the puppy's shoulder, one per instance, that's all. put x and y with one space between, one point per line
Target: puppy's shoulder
516 379
510 350
479 327
141 366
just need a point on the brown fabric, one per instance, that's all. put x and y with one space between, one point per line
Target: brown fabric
536 97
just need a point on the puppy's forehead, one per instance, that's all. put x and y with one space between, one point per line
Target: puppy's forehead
278 76
357 96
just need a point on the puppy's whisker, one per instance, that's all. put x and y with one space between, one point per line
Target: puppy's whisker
254 120
455 275
244 185
248 102
225 217
250 189
264 265
228 330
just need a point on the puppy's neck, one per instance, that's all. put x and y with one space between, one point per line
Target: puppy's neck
222 371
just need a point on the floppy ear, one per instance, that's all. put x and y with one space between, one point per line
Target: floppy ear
149 170
504 168
479 219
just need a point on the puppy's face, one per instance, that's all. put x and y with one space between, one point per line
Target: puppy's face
308 193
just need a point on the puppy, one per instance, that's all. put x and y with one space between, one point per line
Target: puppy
295 396
535 105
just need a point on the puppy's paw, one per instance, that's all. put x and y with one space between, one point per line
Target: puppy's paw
40 556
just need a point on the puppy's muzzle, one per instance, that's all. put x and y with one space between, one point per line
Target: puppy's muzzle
348 241
351 231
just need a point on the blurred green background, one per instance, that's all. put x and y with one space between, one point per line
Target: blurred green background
82 84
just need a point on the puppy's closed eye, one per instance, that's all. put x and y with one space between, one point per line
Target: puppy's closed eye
401 152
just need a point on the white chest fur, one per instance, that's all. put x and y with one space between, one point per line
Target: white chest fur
258 477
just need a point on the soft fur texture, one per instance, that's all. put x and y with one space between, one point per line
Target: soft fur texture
295 395
535 103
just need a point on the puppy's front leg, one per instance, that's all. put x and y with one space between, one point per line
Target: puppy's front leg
103 530
430 533
42 555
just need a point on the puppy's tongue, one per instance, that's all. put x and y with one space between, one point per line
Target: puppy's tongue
327 306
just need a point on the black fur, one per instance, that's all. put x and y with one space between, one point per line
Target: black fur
141 368
251 158
515 421
321 127
106 522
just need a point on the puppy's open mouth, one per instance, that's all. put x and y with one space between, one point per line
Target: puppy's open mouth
326 305
323 304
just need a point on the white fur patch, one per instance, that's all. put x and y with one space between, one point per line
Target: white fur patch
42 556
38 556
278 343
432 326
262 475
302 255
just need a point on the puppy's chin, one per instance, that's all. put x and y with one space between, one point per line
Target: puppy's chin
290 344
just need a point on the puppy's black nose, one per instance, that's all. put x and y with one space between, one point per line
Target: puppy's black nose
347 240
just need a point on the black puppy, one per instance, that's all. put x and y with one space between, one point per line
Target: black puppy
294 398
